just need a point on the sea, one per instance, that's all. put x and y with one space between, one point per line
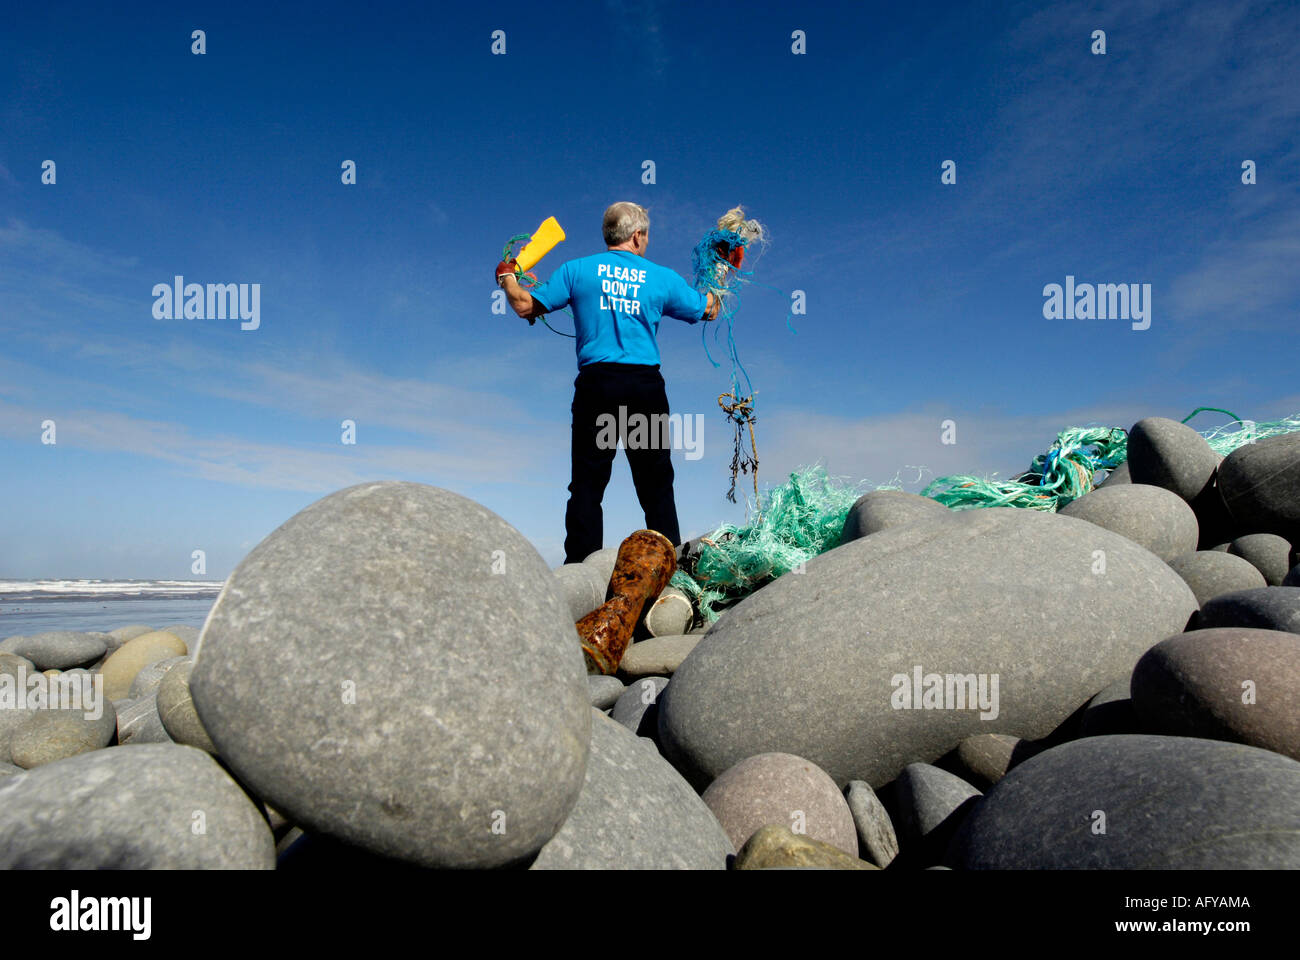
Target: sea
37 606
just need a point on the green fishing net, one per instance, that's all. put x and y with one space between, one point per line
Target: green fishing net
804 516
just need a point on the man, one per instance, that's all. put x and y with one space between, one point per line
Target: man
617 298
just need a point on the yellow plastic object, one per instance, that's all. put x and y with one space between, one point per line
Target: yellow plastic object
544 240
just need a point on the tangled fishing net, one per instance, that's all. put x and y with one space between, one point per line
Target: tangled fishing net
528 279
804 516
716 265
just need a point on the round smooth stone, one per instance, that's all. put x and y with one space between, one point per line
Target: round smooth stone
1138 803
605 690
1210 573
603 562
636 708
1114 478
138 722
176 709
932 804
1237 684
670 615
1110 712
57 649
582 588
1260 485
1166 453
635 812
658 656
1267 608
782 789
394 667
123 634
776 847
1053 607
882 509
877 841
1266 552
120 670
1151 517
154 807
151 675
50 735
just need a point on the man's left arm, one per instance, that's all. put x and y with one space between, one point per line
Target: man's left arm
686 303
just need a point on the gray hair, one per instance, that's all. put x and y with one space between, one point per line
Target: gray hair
623 219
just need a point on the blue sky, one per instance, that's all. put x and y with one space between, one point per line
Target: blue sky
924 300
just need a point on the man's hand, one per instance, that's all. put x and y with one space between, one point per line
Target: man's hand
711 312
521 301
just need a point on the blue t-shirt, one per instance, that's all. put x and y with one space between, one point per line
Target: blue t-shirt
617 300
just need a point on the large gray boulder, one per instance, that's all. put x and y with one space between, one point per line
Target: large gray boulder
1260 485
634 813
1139 803
394 667
882 509
1169 454
155 807
1237 684
1152 517
823 664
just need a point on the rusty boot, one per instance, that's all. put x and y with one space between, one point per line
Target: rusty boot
646 561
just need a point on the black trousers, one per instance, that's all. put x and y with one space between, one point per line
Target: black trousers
607 397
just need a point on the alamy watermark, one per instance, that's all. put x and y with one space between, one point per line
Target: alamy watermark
1102 301
179 300
63 691
75 913
950 691
657 431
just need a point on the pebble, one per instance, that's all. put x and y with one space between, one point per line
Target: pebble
776 847
782 789
658 656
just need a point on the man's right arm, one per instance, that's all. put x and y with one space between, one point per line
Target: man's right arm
521 301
